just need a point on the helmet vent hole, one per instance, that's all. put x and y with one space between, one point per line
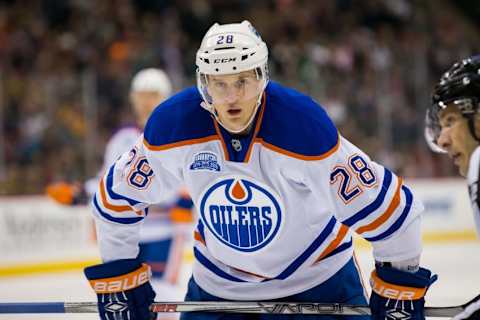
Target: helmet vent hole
244 57
216 69
234 68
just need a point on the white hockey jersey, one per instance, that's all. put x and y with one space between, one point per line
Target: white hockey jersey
120 142
159 226
276 208
473 177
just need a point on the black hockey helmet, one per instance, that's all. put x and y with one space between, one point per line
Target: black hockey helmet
460 86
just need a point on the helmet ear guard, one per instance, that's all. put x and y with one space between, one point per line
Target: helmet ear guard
459 86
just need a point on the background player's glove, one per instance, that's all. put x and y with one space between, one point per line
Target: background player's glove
123 289
398 294
67 193
471 312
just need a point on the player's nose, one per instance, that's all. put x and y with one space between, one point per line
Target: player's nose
232 95
444 140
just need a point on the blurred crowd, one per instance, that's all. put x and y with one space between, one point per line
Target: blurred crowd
65 68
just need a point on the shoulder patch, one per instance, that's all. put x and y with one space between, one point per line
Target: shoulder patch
205 160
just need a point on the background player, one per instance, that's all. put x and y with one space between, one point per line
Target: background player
163 238
278 191
453 127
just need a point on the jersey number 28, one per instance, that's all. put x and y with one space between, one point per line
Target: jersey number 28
352 178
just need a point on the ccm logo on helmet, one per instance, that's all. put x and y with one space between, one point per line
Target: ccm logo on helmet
122 283
240 213
224 60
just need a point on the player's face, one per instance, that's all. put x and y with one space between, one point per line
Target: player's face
143 104
455 138
234 97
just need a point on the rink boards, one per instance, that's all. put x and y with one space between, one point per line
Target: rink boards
38 235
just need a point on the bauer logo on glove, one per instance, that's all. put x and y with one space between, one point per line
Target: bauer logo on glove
122 283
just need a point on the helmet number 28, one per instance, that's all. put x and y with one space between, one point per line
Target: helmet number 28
225 39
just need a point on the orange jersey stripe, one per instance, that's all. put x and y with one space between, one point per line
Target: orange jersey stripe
179 144
197 236
393 291
387 214
124 282
257 128
334 244
296 155
113 207
250 273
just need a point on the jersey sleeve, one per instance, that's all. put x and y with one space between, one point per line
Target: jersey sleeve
126 190
370 200
473 178
119 143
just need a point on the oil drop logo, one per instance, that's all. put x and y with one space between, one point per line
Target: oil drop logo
241 213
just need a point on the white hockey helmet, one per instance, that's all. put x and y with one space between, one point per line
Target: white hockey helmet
229 49
151 79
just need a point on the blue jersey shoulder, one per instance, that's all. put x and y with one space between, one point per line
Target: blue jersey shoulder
179 118
296 123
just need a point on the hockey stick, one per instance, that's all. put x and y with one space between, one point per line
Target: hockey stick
215 306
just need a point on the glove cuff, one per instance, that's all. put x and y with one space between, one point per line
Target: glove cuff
393 291
124 282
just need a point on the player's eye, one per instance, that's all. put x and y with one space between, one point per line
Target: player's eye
449 121
219 85
240 83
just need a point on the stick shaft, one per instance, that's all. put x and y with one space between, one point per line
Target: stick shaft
227 307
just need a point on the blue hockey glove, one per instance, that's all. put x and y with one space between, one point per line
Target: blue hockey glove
398 294
123 289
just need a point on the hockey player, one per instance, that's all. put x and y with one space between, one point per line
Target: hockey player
163 238
278 191
453 127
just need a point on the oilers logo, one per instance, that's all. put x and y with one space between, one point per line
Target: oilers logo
242 214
